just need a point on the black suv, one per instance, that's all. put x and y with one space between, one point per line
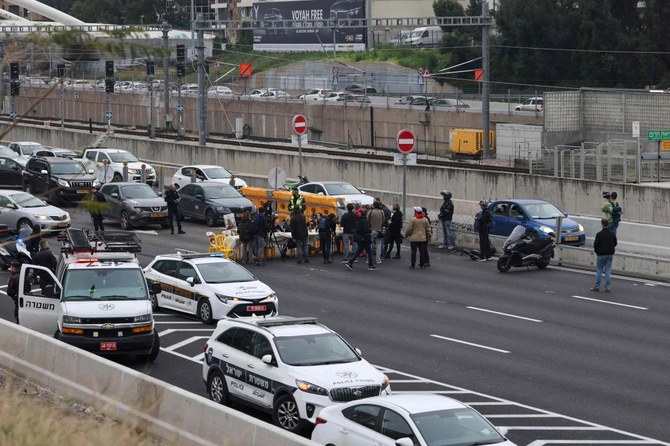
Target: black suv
57 178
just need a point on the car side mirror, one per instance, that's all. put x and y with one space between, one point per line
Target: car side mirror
404 441
267 359
520 217
91 171
358 350
190 281
160 194
502 431
10 205
114 195
200 197
155 287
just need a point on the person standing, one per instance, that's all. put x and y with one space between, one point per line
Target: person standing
606 208
172 200
326 227
376 220
446 216
348 223
13 287
363 239
484 221
616 213
47 259
604 245
95 207
300 235
394 232
418 232
260 236
296 202
33 243
231 181
245 231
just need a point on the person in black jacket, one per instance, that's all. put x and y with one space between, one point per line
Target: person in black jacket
47 259
348 223
394 234
96 203
262 224
484 219
326 227
13 288
300 235
172 200
446 216
245 231
363 238
604 245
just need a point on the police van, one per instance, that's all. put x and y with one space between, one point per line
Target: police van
97 300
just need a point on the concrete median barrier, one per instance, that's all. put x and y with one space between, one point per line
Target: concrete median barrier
179 417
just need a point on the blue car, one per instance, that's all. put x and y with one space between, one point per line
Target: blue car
537 214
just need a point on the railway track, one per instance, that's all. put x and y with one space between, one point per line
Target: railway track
385 155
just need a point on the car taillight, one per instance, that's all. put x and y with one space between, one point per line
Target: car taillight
319 420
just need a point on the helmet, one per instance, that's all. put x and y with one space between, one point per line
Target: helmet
446 194
483 203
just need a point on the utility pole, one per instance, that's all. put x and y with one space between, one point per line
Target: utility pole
202 81
486 121
166 75
150 82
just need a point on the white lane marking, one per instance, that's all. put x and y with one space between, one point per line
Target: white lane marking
176 323
610 303
186 341
470 343
181 356
557 428
543 442
527 415
199 358
3 286
181 330
149 231
505 314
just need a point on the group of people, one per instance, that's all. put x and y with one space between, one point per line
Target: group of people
605 242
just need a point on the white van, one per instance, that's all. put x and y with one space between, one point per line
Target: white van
425 36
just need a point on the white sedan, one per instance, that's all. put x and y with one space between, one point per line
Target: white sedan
209 287
406 420
338 189
20 209
205 172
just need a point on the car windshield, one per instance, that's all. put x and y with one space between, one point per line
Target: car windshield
138 191
341 189
30 148
543 210
25 200
224 272
74 168
108 283
452 427
216 173
119 157
318 349
223 191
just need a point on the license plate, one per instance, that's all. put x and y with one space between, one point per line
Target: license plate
63 225
252 308
157 215
82 191
107 346
571 239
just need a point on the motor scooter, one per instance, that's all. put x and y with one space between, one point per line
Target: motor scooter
302 179
12 248
523 247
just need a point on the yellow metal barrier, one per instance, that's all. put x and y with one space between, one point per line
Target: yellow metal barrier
314 203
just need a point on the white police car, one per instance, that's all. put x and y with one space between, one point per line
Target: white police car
291 367
209 286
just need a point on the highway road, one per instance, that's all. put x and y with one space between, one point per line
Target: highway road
532 350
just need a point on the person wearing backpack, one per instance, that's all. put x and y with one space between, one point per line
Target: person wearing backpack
326 228
262 226
616 213
245 230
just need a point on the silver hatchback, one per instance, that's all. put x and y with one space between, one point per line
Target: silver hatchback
133 204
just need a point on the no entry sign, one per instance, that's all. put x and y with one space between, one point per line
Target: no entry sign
406 141
299 124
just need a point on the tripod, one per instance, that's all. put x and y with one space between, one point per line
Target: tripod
282 251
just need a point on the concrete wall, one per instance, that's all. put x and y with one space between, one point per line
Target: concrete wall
164 410
516 140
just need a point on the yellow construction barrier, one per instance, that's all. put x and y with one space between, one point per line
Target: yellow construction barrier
314 203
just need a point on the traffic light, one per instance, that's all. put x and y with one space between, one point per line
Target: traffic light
181 54
109 85
15 88
109 69
14 71
150 67
60 70
181 70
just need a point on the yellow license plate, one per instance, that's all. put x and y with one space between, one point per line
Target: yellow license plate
157 216
63 225
82 191
571 239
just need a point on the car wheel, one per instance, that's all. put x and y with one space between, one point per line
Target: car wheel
205 311
155 349
542 263
24 223
504 264
210 218
154 302
217 388
124 221
285 414
117 178
518 109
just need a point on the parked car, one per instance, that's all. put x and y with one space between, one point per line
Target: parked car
11 168
401 38
406 420
58 179
339 96
212 202
449 104
25 148
95 158
189 89
274 94
59 153
539 215
412 100
257 93
219 91
315 94
7 152
205 172
293 367
21 209
215 287
360 89
133 204
339 189
425 36
535 104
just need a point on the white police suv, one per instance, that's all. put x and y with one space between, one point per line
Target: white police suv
291 367
209 286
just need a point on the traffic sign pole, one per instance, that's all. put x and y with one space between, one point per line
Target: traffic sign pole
299 127
404 185
405 142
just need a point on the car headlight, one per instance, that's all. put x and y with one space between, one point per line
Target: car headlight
142 318
96 183
133 202
67 215
223 298
71 320
42 217
310 388
546 229
133 171
223 210
272 296
581 228
63 183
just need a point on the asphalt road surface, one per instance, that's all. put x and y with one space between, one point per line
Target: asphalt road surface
532 350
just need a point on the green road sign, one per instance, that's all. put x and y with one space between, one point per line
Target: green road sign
658 135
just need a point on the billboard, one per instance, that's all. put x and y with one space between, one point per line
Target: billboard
306 23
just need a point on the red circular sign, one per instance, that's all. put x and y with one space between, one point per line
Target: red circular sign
406 141
299 124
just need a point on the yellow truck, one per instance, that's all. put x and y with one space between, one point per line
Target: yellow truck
469 143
